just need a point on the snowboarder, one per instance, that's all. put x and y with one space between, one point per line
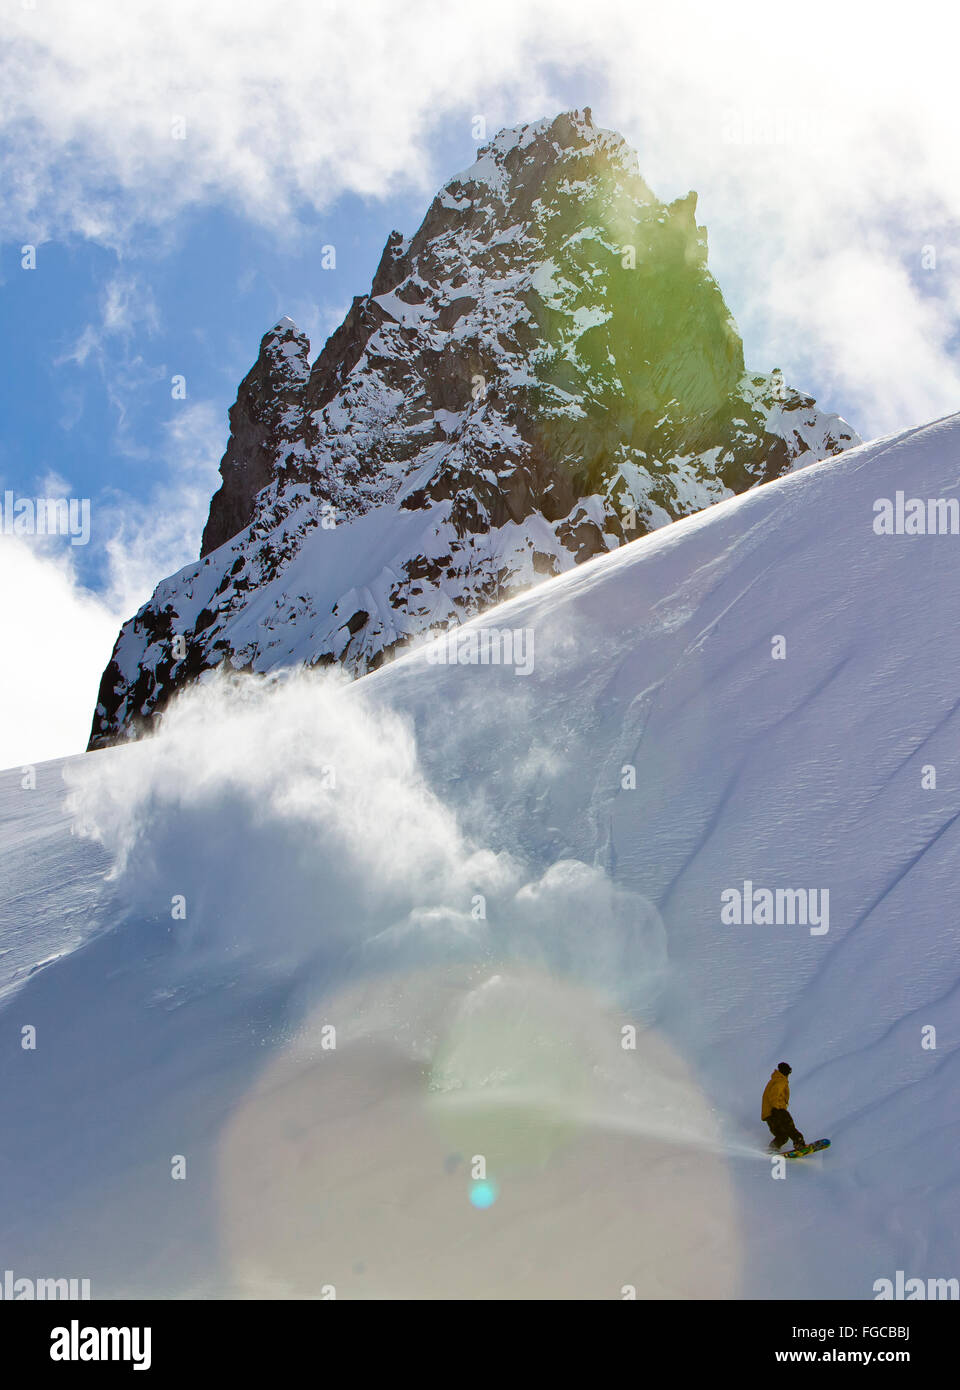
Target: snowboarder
776 1098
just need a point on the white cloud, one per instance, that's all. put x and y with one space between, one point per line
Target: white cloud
127 307
858 310
806 133
57 638
278 108
88 341
147 540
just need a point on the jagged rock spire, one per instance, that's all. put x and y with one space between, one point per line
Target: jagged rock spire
545 369
266 416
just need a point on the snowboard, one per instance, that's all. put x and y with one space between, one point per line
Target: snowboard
809 1148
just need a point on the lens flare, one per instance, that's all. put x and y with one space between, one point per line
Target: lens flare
483 1194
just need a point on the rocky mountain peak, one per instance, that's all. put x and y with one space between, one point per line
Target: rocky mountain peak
544 369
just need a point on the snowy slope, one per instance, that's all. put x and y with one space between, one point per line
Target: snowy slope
332 843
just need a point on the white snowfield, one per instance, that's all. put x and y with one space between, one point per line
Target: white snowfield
363 945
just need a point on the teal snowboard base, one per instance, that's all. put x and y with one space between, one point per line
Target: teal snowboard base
809 1148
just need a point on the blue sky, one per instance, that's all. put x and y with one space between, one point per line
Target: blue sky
87 376
822 152
100 332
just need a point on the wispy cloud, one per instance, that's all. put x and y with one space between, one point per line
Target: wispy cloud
147 540
127 308
128 313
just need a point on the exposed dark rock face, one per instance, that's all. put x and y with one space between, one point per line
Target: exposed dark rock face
268 413
544 370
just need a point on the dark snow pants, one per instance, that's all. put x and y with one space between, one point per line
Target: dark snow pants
782 1128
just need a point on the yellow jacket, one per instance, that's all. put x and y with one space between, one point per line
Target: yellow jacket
776 1094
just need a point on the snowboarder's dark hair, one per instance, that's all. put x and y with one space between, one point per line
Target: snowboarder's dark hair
785 1067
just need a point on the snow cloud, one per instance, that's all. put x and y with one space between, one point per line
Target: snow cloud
292 819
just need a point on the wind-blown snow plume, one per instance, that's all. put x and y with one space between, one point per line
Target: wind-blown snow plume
290 820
